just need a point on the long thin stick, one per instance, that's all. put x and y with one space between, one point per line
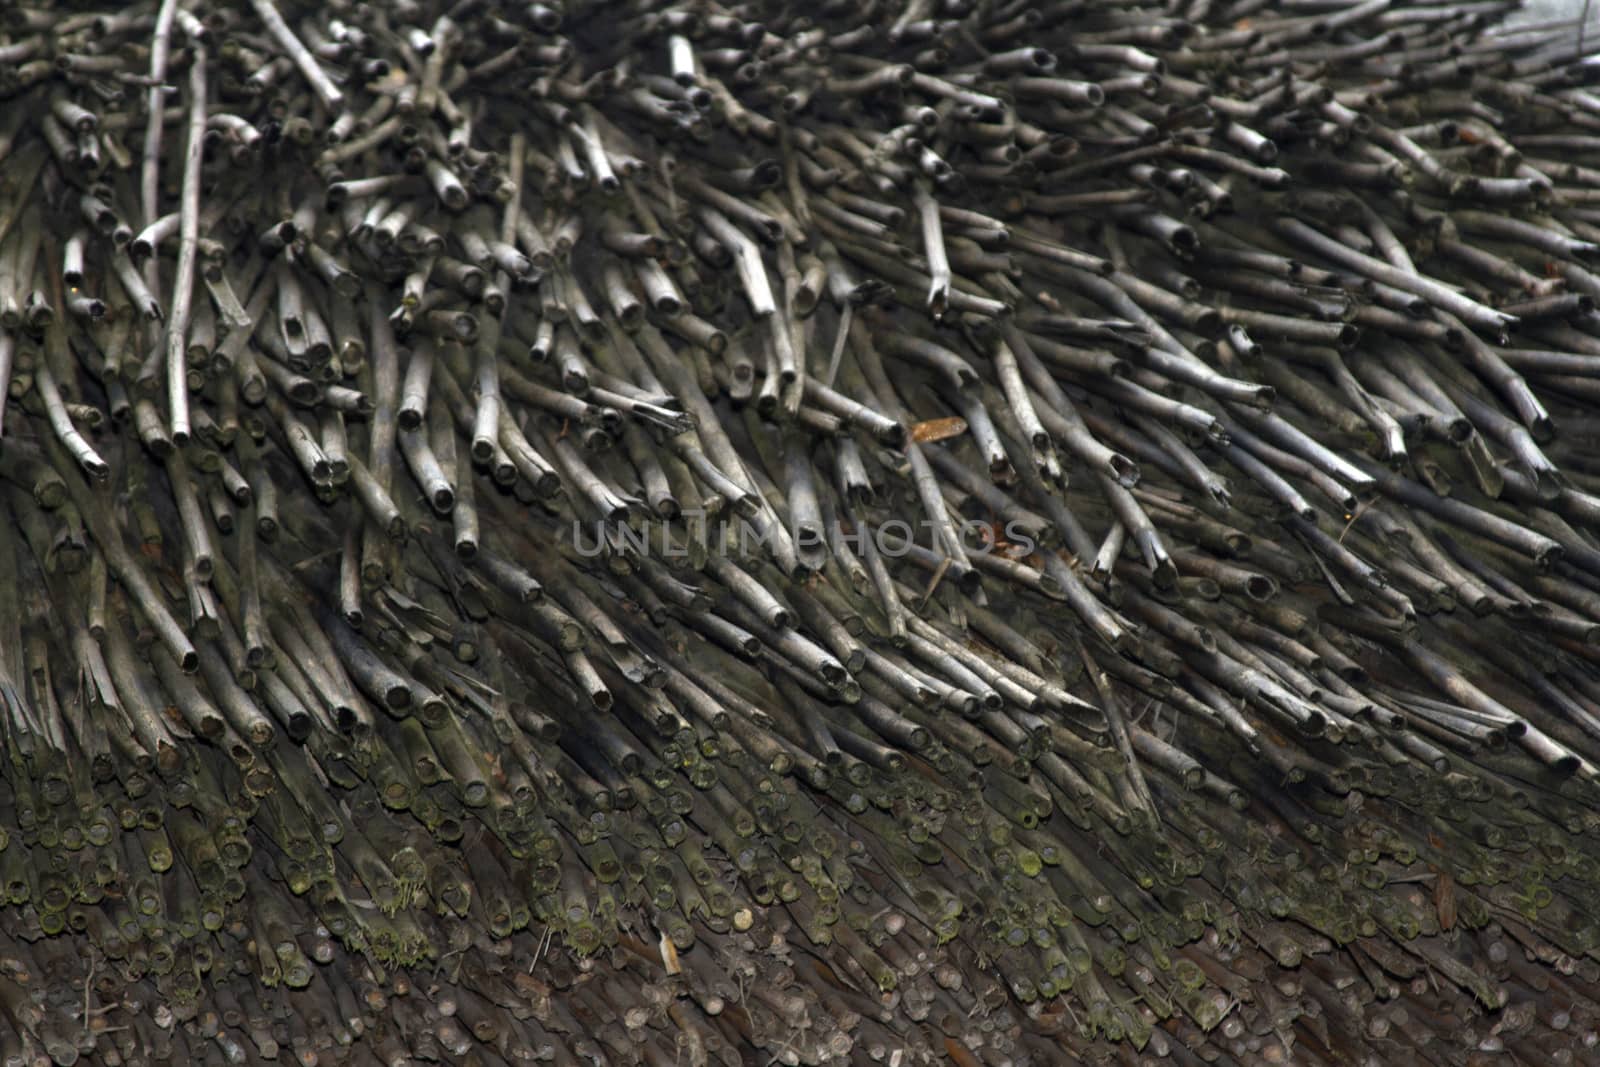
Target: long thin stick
150 173
321 84
188 249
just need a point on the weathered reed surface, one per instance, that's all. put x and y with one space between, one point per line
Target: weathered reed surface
1235 365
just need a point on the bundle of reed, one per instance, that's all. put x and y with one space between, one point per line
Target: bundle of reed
888 532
